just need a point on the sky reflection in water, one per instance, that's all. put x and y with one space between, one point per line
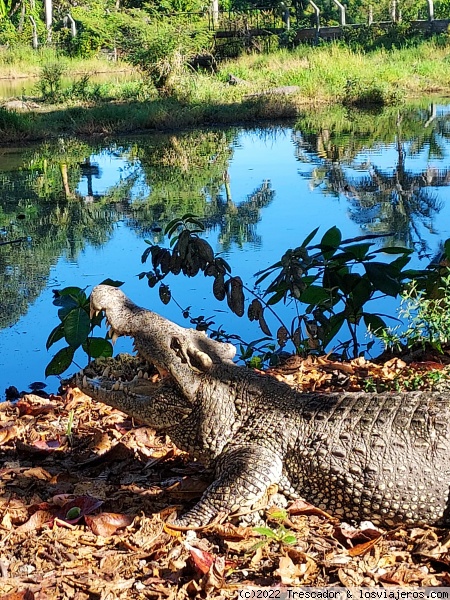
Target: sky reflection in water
307 180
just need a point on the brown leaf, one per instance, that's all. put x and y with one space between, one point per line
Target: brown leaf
300 507
287 570
36 521
214 578
235 296
106 524
37 473
351 536
85 504
254 310
349 577
202 560
219 289
282 336
39 447
360 549
8 433
188 488
34 406
427 365
263 324
229 531
23 595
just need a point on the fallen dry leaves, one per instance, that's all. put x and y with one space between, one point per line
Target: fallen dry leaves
83 514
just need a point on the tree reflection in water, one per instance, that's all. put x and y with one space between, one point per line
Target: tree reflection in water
397 200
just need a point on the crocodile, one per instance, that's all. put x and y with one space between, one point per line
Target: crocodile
360 456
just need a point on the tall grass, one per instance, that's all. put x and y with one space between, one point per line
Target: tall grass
323 75
20 60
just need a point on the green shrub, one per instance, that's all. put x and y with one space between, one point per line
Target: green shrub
371 94
164 50
50 82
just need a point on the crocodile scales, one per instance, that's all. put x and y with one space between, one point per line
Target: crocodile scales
383 457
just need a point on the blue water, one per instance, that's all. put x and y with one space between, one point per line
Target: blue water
303 200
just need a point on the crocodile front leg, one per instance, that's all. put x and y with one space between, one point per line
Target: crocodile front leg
244 474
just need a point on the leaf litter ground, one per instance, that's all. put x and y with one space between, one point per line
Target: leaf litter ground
84 509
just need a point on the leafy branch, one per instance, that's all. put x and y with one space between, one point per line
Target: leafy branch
76 328
334 280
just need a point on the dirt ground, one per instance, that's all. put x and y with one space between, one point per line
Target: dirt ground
86 496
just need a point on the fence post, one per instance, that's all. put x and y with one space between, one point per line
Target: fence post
68 19
342 12
35 35
394 11
215 13
317 13
430 10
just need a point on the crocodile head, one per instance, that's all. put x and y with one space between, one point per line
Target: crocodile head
135 387
184 353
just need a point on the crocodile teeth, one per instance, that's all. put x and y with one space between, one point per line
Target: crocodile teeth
106 371
116 386
84 381
93 312
145 375
115 336
140 375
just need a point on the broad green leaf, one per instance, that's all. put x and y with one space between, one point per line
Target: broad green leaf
314 294
400 262
72 294
361 293
309 237
383 277
289 539
447 248
196 222
330 241
55 335
275 298
357 251
146 254
76 327
349 282
112 282
278 514
97 346
60 362
266 531
395 250
374 322
171 226
414 273
335 324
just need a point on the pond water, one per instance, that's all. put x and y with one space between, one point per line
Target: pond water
27 86
84 209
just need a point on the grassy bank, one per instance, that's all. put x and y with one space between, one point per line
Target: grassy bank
23 62
323 75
